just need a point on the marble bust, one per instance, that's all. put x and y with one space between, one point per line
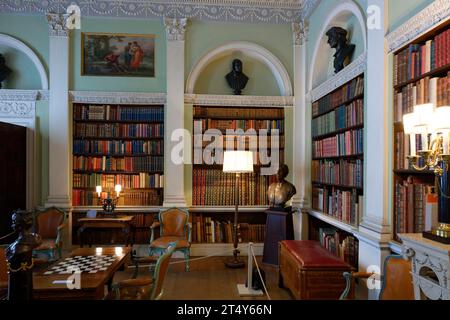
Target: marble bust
282 191
337 39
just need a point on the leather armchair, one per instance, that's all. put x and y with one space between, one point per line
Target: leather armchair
396 281
173 226
145 288
49 225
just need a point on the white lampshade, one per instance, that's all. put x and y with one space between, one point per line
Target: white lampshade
441 119
409 123
424 115
238 162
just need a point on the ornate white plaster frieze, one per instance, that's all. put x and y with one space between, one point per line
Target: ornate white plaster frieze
357 67
17 109
437 11
243 101
57 24
102 97
23 95
300 32
269 11
175 28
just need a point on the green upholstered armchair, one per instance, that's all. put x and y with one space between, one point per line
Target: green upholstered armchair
396 281
173 226
49 225
145 288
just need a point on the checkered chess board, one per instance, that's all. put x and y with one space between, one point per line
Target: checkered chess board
83 264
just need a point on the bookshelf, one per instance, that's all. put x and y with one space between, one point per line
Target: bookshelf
421 74
213 196
118 144
337 132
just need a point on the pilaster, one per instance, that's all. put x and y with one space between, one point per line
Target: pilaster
174 113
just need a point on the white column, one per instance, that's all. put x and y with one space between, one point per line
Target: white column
59 118
374 230
300 32
174 173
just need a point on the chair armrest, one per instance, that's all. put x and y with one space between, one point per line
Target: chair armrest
155 224
59 234
349 277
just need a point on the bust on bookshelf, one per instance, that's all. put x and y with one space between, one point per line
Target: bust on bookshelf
282 191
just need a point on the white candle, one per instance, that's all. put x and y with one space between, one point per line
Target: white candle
412 139
98 189
424 137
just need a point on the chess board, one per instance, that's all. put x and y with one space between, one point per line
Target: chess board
84 264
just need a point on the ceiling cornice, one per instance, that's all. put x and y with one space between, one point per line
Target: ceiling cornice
265 11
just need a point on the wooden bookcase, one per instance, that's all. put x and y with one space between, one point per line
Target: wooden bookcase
421 75
213 191
118 144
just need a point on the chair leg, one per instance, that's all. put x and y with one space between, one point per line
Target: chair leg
186 258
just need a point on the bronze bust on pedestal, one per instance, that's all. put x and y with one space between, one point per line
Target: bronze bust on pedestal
282 191
236 79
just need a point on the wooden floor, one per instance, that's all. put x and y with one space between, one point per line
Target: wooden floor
209 279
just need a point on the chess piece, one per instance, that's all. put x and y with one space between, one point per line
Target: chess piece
236 79
19 255
4 70
282 191
337 39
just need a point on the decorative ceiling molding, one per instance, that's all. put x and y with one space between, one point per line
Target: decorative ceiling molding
23 95
117 97
437 11
351 71
268 11
239 101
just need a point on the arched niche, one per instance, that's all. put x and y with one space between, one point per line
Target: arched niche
345 14
245 49
15 45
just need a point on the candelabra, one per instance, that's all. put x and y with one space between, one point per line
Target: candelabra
109 204
427 120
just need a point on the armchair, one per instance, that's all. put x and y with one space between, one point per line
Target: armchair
396 281
49 225
173 226
145 288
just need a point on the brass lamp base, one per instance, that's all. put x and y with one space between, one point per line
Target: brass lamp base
440 234
235 263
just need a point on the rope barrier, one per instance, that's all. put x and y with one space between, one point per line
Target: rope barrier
259 273
8 235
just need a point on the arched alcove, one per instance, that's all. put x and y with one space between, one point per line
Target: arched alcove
16 46
345 14
242 49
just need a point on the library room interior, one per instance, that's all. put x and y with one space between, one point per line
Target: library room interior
225 150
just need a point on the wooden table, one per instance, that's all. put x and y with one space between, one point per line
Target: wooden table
92 286
125 223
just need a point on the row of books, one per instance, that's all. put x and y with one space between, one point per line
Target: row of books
107 163
207 230
240 142
402 149
118 147
345 93
118 112
342 172
135 181
342 245
127 198
260 158
416 205
344 144
342 205
207 124
116 130
254 113
419 59
426 90
212 187
341 118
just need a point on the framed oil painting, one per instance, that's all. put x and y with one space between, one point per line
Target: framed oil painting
120 55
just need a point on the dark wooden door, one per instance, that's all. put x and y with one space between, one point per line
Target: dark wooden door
13 155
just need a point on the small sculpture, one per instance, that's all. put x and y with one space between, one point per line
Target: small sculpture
4 70
19 255
281 191
337 39
236 79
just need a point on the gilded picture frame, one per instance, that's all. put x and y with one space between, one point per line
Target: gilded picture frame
117 55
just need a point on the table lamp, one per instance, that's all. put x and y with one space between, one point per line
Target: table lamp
108 203
237 162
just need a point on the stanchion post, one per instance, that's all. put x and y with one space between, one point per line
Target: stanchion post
247 291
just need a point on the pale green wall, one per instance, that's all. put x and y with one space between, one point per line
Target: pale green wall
131 84
400 11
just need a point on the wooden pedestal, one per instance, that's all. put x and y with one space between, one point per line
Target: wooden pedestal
279 227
